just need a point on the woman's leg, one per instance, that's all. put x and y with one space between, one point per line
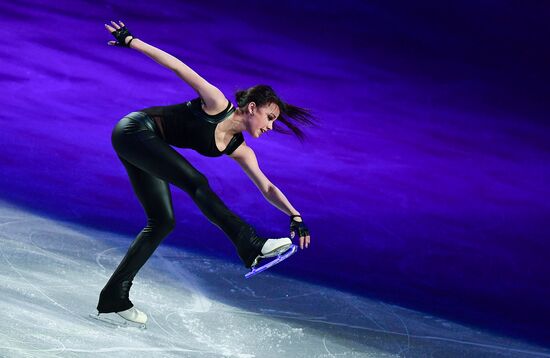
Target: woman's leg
154 195
141 149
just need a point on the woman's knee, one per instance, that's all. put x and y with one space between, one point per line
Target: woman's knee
165 224
168 224
195 183
199 179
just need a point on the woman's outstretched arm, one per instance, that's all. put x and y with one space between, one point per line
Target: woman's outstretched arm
212 96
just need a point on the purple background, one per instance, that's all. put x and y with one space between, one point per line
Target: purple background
425 184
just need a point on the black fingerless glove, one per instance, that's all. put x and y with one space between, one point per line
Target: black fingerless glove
297 227
121 35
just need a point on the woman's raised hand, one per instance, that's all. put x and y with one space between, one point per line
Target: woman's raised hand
120 32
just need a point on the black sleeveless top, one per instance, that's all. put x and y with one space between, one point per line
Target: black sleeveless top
186 125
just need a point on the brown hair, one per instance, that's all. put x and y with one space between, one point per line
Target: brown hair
291 115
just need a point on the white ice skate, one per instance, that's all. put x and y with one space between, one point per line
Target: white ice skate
282 248
130 318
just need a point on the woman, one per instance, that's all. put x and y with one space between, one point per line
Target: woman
213 127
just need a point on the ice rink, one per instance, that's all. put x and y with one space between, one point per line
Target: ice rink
52 272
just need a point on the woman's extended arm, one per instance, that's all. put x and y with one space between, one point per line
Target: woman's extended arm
212 96
245 156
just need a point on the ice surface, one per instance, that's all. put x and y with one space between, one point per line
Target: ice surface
52 272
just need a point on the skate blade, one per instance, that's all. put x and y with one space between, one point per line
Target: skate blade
116 321
277 252
281 257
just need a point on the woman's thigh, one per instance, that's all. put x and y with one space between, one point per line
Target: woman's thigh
153 193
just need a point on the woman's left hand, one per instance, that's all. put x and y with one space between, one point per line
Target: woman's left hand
297 226
120 32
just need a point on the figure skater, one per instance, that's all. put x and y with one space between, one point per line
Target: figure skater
212 126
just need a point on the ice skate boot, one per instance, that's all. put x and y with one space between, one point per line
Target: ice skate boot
115 308
131 317
282 248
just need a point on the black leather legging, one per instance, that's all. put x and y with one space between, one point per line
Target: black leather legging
151 165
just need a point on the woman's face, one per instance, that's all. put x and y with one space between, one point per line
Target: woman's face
261 119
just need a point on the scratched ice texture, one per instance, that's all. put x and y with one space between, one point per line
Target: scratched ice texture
51 273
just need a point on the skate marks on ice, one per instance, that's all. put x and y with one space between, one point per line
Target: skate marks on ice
51 274
49 282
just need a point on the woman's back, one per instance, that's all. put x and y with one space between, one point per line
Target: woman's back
186 125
